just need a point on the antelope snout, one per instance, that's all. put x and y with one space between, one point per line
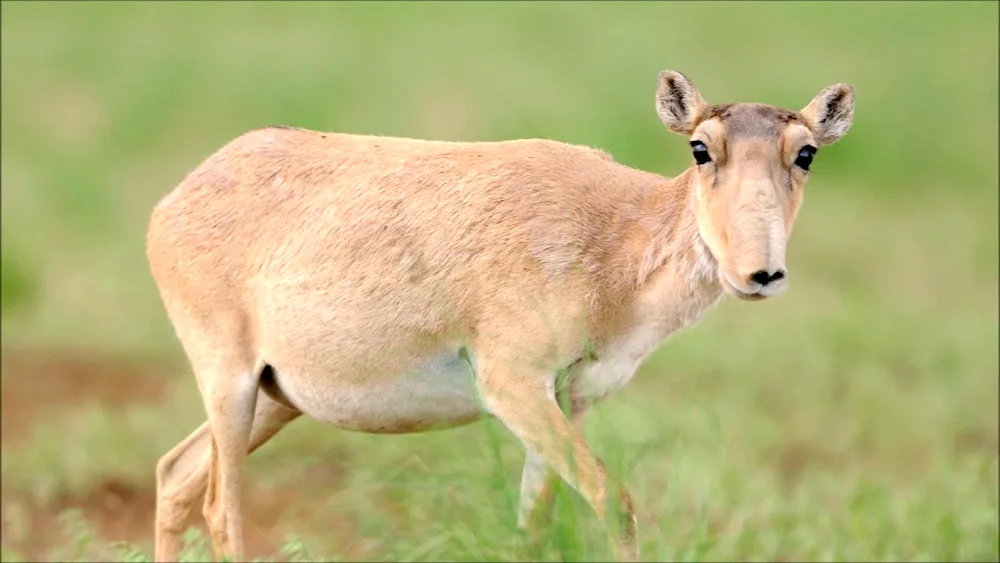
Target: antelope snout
764 283
765 277
757 250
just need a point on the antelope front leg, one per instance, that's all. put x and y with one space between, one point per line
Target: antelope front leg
523 401
538 482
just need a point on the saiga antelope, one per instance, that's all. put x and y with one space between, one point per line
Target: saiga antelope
392 285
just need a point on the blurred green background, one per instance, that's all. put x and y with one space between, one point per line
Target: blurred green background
855 417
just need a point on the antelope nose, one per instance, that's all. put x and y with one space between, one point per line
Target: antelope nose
763 277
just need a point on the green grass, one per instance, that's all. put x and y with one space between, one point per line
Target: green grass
853 418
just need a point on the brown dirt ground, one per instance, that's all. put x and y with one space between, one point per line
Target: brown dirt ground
38 383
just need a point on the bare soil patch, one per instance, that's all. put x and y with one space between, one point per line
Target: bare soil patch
44 384
121 511
48 384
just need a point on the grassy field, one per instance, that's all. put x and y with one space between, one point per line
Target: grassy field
853 418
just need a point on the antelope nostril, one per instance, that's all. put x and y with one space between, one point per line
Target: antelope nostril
761 277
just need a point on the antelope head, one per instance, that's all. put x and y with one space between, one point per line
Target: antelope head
751 164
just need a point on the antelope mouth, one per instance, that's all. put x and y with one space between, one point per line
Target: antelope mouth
735 291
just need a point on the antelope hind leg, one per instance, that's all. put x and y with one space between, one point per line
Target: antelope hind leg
182 474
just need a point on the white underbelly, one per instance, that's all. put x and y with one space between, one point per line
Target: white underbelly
618 362
438 393
598 379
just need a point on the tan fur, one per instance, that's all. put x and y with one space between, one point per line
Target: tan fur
398 285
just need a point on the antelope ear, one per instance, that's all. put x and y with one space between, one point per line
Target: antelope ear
678 102
830 114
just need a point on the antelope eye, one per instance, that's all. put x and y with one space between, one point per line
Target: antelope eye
700 152
805 157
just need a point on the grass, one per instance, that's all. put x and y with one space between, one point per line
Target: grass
853 418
